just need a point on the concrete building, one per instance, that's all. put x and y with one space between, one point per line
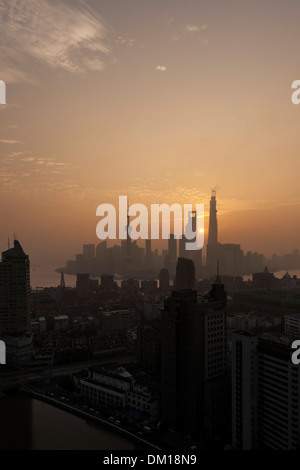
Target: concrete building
265 393
112 385
18 349
115 322
15 292
61 323
292 325
244 390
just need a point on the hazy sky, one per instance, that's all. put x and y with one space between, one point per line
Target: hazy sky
159 100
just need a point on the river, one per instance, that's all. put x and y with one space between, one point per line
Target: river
45 276
30 424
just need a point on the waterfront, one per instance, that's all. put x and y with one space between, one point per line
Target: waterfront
31 424
45 276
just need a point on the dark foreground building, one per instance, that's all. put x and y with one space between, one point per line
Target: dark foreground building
194 384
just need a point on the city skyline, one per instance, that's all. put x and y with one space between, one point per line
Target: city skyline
156 101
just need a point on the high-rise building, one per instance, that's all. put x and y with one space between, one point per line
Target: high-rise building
15 292
148 255
193 362
244 390
15 305
212 242
83 284
265 393
89 252
185 274
149 347
195 255
213 223
172 247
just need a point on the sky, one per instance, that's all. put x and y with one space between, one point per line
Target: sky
156 100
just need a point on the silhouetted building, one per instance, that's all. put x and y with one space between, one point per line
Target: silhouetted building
107 282
15 305
149 348
89 252
194 255
172 247
244 390
194 385
148 255
15 292
212 243
83 284
263 280
185 274
164 280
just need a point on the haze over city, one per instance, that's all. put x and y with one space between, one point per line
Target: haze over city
159 101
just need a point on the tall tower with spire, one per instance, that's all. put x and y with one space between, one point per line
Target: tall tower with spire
213 223
212 242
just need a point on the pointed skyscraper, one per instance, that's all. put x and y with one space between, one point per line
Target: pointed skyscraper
213 223
212 243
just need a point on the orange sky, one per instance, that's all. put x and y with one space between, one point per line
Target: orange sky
156 100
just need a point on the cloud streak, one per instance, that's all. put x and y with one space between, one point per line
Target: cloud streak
9 141
191 28
67 36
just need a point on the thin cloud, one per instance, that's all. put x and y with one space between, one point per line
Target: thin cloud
62 36
162 68
191 28
125 41
9 141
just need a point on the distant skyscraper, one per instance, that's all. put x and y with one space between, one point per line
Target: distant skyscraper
172 248
101 250
15 292
83 284
89 252
213 224
212 242
185 274
148 255
195 255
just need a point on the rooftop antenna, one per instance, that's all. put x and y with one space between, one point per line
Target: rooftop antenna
8 243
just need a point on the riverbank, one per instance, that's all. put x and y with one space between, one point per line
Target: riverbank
29 423
79 411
